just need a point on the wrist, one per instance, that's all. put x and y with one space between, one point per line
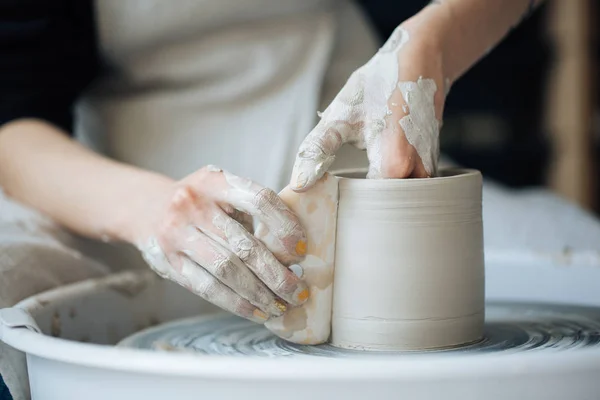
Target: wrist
429 31
141 197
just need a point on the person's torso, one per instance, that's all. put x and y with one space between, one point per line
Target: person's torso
231 83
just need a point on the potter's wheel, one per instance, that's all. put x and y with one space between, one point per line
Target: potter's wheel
510 328
534 351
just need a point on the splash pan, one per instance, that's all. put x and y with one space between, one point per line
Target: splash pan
541 342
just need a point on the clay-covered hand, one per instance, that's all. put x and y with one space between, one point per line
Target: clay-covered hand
391 107
198 234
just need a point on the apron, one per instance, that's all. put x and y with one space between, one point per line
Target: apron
232 83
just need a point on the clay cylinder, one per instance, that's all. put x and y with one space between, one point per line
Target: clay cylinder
409 266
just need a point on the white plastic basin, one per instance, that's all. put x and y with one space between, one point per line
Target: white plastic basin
73 357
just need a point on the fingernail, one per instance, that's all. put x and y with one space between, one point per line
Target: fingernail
277 308
260 315
297 270
301 295
301 247
280 305
301 180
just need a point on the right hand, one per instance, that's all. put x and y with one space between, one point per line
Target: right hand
391 107
197 232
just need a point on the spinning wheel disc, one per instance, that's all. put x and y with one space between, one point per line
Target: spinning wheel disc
509 328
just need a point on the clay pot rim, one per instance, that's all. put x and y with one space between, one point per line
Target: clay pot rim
350 176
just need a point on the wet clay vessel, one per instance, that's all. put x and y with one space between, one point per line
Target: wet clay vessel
393 264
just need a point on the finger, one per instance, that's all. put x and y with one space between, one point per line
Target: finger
420 124
255 255
419 170
315 156
317 152
289 245
227 268
397 157
244 219
204 284
342 122
155 257
198 281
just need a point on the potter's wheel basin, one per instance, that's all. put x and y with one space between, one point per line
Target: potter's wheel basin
75 359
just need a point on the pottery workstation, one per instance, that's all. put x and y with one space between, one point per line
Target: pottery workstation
399 307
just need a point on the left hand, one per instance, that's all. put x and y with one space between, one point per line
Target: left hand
391 107
198 232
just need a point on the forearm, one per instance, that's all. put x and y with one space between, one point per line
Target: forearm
468 29
92 195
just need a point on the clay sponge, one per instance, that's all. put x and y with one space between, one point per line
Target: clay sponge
316 208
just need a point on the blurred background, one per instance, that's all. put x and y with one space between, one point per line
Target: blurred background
527 114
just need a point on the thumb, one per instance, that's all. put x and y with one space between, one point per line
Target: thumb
317 153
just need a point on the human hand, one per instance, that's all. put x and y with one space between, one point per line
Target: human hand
391 107
197 232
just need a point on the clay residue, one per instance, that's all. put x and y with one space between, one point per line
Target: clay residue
567 254
152 321
129 288
38 304
309 337
291 198
321 247
163 345
320 278
43 302
84 339
295 320
320 227
55 326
